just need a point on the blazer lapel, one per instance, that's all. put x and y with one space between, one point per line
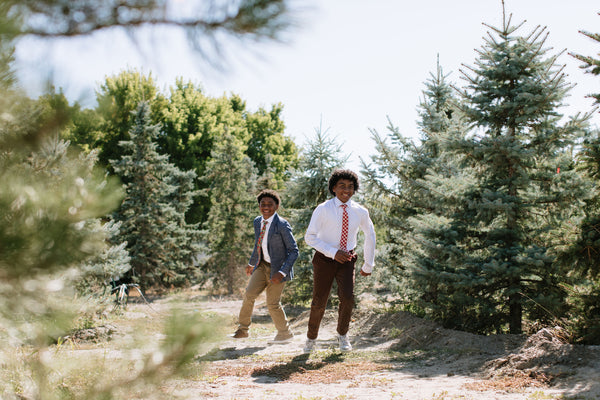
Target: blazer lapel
257 228
274 226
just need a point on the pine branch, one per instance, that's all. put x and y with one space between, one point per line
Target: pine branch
256 17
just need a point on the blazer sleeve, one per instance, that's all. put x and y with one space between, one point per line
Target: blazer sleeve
290 245
254 256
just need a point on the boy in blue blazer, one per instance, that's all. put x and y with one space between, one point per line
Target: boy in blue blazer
270 266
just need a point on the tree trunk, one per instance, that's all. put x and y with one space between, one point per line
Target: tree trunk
515 318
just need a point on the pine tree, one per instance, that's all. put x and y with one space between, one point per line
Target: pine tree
228 231
47 198
307 189
525 187
161 244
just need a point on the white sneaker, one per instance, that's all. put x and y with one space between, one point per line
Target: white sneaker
344 343
310 345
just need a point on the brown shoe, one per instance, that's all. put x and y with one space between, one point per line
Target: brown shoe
239 334
282 337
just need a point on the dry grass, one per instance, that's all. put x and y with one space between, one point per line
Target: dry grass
516 382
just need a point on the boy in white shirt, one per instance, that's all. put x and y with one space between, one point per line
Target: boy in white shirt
332 233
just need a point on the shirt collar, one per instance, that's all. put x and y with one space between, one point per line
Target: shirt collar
270 218
338 202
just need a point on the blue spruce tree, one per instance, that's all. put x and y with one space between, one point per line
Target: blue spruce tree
525 186
161 244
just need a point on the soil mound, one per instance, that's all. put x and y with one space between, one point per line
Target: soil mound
541 358
545 355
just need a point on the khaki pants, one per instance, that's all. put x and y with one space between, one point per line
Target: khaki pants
259 281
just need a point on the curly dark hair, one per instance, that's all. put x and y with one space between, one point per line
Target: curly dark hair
343 174
268 193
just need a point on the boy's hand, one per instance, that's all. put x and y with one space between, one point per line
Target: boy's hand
363 273
277 278
249 269
342 256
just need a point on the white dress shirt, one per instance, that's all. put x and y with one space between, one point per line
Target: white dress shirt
264 244
325 228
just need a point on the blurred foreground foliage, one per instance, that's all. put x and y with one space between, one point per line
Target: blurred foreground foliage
53 238
54 207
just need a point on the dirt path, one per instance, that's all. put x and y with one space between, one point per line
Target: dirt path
396 356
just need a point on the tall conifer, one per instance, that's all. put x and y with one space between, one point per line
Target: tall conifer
525 184
229 233
580 257
404 179
158 194
307 189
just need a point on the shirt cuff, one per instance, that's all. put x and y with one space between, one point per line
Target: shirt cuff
367 269
332 252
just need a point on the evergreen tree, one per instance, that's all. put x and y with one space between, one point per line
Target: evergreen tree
7 76
46 201
579 258
519 200
113 260
194 123
111 264
268 179
161 244
406 182
47 196
307 189
590 64
229 232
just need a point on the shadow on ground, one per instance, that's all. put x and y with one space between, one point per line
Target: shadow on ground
298 365
228 353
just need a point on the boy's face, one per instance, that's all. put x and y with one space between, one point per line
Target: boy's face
267 207
344 190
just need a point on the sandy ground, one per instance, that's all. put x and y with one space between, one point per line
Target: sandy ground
395 356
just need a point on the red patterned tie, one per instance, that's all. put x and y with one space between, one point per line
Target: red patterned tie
344 238
260 238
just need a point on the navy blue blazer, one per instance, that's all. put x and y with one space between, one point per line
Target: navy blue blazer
281 244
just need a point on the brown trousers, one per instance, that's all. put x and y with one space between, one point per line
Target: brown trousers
325 270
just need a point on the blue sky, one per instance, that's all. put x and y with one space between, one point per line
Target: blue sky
349 66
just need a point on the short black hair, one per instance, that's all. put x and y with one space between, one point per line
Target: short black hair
342 174
268 193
